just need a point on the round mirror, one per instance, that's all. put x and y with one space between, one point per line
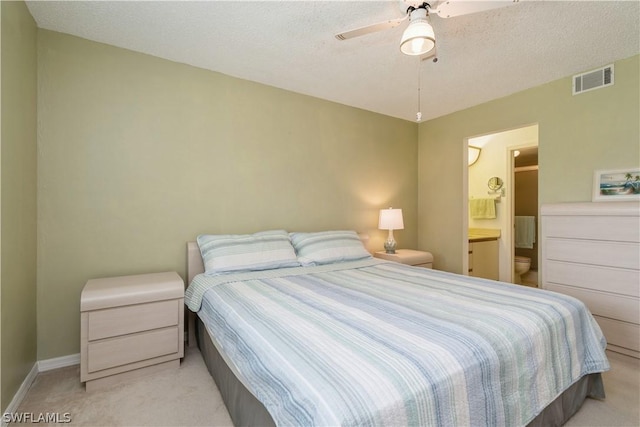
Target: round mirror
494 183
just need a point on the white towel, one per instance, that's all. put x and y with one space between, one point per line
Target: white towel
525 231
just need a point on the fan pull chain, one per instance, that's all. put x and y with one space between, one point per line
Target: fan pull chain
419 113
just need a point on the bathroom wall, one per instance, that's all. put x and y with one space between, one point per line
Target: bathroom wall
495 160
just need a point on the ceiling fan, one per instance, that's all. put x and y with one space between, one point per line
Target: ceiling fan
418 38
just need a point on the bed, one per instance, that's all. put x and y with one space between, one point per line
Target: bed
361 341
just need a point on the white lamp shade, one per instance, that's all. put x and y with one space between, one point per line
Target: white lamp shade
390 219
418 38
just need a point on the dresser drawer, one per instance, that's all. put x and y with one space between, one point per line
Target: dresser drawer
619 333
120 351
593 227
603 304
593 252
132 318
594 277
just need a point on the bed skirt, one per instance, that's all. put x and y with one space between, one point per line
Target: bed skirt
245 410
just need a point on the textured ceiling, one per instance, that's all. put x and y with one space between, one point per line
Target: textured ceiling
291 45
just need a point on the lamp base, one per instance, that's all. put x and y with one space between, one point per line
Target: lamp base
390 246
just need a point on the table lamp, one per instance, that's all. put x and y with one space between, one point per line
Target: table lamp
390 219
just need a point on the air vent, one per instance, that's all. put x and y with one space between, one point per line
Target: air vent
591 80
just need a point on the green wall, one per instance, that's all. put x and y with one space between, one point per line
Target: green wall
138 155
17 197
577 135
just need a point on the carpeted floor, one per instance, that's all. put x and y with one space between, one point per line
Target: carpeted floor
622 405
175 397
188 397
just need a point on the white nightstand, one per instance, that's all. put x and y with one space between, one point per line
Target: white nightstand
130 325
409 257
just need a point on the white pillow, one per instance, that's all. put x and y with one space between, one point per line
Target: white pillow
227 253
326 247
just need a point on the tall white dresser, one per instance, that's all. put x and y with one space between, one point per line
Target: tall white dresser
591 251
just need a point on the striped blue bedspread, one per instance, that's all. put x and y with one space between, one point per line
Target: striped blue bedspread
381 343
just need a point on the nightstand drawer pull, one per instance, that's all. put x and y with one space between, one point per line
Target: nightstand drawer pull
131 348
133 318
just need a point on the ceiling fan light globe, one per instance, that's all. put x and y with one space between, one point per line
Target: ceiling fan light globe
417 46
418 38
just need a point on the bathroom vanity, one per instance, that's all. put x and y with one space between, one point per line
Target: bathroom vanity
483 253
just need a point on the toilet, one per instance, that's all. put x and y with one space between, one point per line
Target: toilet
521 266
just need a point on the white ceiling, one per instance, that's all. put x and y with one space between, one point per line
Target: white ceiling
291 45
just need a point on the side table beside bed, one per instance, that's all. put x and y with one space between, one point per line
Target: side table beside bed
408 257
130 325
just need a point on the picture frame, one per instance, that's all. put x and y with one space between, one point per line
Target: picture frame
616 185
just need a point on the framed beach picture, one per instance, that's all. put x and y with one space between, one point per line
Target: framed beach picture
616 185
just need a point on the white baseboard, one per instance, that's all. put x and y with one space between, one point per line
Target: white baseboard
39 366
21 393
58 362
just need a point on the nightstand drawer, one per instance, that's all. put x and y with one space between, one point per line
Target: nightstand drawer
132 318
120 351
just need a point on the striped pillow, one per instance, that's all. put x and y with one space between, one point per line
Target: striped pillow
326 247
228 253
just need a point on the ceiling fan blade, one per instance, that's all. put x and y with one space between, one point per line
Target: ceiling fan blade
392 23
452 8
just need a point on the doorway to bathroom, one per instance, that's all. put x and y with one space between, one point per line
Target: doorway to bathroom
492 158
525 215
